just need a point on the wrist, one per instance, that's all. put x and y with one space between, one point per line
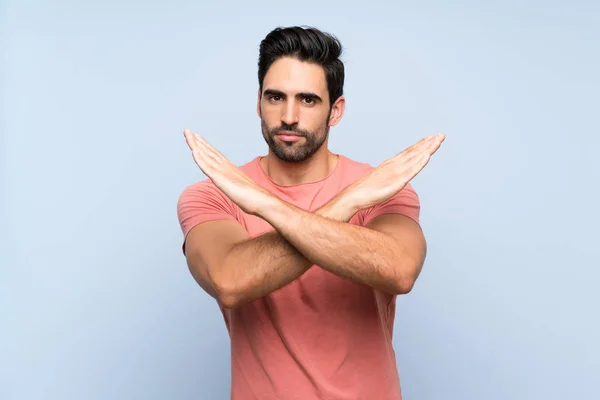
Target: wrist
266 203
340 208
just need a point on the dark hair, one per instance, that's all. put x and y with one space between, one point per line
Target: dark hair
305 44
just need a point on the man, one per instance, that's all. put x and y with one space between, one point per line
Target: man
305 250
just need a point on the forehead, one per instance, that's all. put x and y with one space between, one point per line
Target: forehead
291 75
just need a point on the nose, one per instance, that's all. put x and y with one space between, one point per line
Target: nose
290 113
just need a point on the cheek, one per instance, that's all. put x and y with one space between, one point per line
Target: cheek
269 112
314 119
270 118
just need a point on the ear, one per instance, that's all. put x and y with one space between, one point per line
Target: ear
258 104
337 111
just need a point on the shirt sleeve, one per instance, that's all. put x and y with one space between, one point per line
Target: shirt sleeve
405 202
202 202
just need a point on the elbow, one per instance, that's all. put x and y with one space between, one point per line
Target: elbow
227 293
405 277
230 288
404 281
404 286
229 301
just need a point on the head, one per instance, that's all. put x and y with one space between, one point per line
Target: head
301 80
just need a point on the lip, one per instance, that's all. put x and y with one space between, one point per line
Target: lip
287 133
288 136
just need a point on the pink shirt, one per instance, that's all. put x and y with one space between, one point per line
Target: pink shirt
321 336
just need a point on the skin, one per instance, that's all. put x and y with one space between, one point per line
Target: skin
387 255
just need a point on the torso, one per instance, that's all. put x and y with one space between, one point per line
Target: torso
321 336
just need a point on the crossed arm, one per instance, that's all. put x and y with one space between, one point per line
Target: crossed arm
386 255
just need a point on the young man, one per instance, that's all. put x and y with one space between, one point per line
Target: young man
305 250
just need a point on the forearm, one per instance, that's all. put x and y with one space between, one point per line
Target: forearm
259 266
354 252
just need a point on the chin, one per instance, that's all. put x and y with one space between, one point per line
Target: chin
290 157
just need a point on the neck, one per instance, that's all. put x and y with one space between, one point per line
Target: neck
283 173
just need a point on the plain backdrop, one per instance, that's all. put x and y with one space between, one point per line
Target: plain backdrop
96 300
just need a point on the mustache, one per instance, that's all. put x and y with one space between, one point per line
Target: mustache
289 128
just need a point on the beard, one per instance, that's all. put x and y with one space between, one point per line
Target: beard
294 152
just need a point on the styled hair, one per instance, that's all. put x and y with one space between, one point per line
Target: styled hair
305 44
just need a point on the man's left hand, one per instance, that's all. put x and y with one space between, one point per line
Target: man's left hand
226 176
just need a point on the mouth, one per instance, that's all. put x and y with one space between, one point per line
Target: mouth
288 133
288 136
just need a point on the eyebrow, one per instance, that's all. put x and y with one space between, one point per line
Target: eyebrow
303 95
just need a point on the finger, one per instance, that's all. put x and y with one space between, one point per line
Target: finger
435 143
417 151
202 144
189 139
198 154
200 149
415 148
212 150
430 144
207 150
418 161
413 167
421 143
439 138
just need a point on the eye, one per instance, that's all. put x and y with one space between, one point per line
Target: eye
308 100
274 98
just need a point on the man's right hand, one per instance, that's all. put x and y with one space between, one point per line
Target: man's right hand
392 175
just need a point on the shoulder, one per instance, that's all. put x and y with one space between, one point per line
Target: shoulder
406 202
200 190
203 198
203 201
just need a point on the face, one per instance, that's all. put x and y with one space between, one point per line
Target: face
294 109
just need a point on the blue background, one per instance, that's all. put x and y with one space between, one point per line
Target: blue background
96 299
